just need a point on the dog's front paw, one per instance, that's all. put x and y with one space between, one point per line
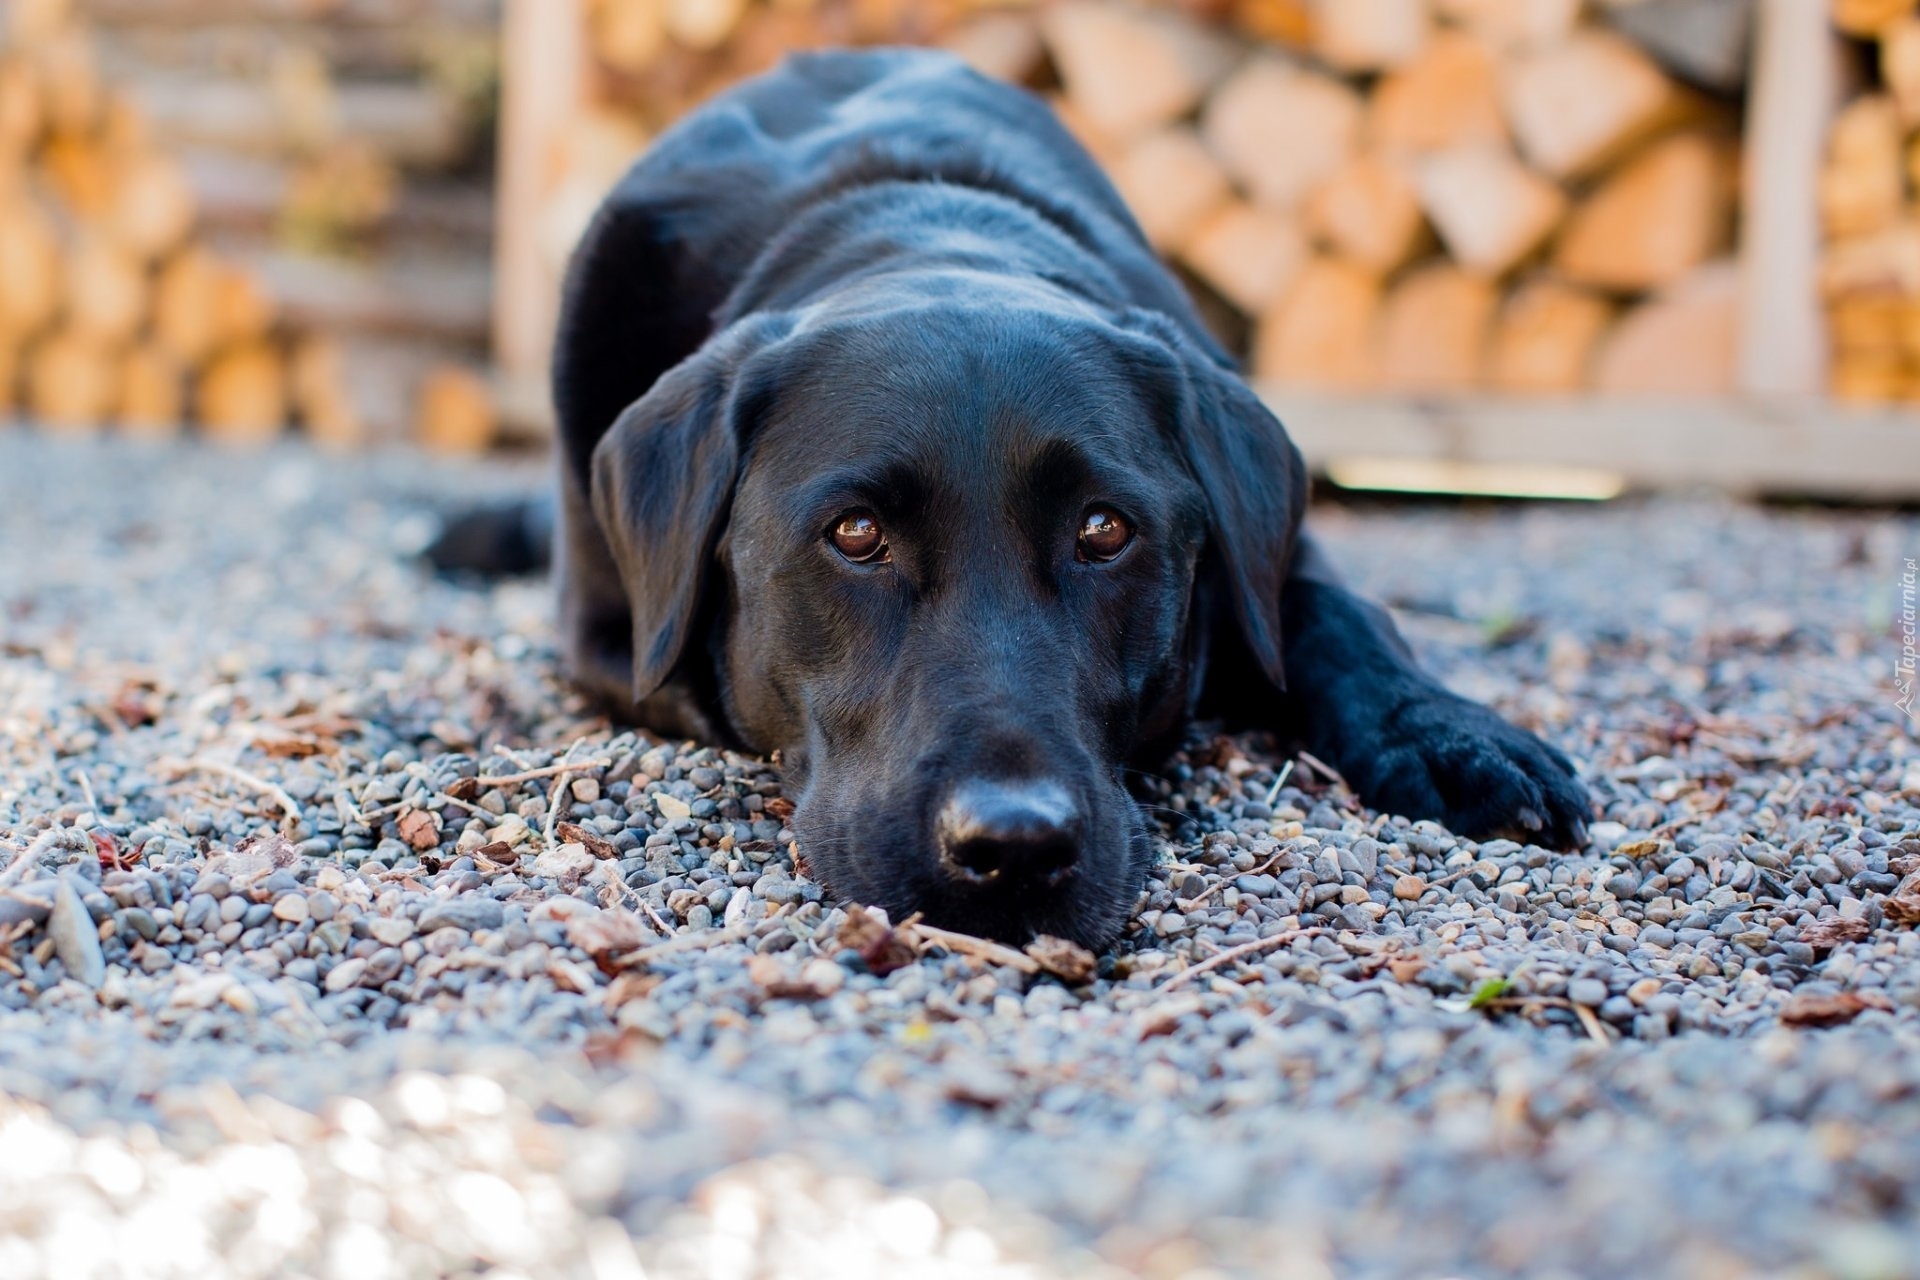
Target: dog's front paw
1457 762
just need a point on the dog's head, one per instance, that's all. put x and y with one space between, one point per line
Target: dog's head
952 562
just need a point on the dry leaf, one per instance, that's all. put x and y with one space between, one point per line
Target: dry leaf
1808 1010
1067 961
880 945
420 829
1825 935
572 833
779 808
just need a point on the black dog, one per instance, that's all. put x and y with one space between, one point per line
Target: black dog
890 445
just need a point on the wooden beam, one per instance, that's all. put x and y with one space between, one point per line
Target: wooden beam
544 70
1791 97
1810 448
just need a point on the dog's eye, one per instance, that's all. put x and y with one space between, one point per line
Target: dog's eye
1104 534
857 536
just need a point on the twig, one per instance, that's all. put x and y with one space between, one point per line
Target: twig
1273 792
979 948
685 942
1322 768
533 775
86 789
1588 1019
271 790
1244 949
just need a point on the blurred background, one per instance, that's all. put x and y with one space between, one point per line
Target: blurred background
1507 245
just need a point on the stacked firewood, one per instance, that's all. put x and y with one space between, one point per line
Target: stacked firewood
1870 273
1403 196
183 248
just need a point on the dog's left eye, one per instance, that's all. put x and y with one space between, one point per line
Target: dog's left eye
1104 534
857 536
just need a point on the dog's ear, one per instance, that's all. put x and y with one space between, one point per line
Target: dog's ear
661 482
1252 475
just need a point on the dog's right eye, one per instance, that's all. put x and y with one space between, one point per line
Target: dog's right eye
857 536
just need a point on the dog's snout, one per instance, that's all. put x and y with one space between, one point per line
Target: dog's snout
999 830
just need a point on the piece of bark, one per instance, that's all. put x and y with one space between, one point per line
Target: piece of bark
1127 70
1681 343
1862 188
1321 333
1490 210
1576 106
1248 255
1514 24
30 267
456 411
1359 36
1281 130
243 395
1448 96
72 382
1171 182
153 393
1658 218
1434 329
1368 211
1545 339
1869 17
1705 42
107 294
317 375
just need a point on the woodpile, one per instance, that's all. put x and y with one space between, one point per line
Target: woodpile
210 211
1403 196
1870 210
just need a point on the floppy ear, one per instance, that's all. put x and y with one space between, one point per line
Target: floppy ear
661 484
1254 481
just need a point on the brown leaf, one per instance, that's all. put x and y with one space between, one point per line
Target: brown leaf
420 829
464 788
880 945
575 834
608 933
1825 935
1809 1010
498 852
779 808
1067 961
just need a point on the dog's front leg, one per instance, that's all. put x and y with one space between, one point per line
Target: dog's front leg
1404 742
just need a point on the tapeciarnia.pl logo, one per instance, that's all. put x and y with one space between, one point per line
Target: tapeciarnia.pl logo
1903 667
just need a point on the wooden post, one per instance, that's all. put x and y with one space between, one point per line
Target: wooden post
1791 98
545 62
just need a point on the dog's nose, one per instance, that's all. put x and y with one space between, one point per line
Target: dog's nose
1000 830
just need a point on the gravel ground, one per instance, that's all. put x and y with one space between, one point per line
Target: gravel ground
337 939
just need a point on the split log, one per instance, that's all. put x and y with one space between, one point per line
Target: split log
1900 67
1545 339
72 382
1126 70
152 207
627 35
1449 96
1281 131
1861 186
1514 24
107 294
1103 149
1321 334
1577 106
1368 211
326 408
185 299
80 174
70 90
1248 255
1491 211
1869 17
1885 262
243 395
456 411
30 267
1170 181
21 116
701 25
1434 329
1283 22
1369 35
1661 216
153 393
1681 343
1006 46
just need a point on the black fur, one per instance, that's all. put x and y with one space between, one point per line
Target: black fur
876 280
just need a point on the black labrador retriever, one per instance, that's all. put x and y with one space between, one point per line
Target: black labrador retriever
888 444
